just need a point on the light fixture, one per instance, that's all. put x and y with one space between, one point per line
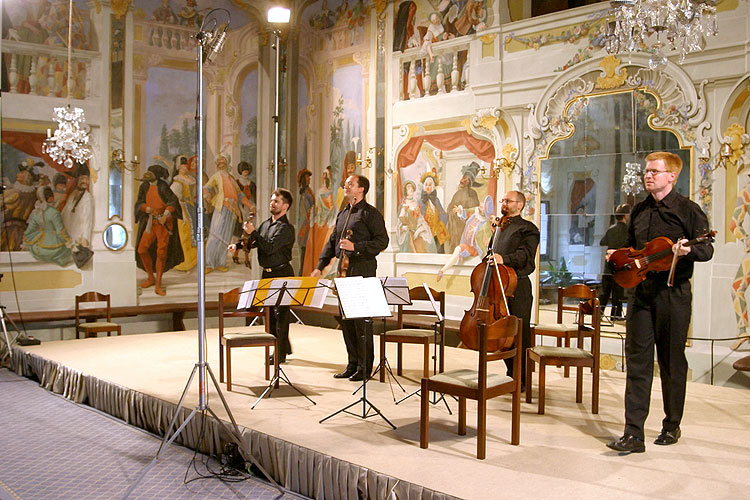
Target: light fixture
683 25
70 142
277 15
499 165
724 157
118 159
369 158
632 181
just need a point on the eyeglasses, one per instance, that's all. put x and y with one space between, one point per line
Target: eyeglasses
506 200
653 172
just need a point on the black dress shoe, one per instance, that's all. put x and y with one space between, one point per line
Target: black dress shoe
668 437
358 376
627 444
346 373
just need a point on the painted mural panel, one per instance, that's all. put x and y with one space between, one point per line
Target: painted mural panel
190 13
46 209
305 201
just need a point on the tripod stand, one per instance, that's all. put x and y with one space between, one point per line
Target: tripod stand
279 375
361 299
209 44
8 348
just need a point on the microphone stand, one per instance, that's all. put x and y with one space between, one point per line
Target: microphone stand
208 45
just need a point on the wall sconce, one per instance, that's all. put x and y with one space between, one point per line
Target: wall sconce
708 164
499 166
369 157
118 160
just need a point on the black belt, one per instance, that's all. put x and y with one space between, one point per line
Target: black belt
275 268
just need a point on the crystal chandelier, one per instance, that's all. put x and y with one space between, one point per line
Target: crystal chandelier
70 142
632 181
683 25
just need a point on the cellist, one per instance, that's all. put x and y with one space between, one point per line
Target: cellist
659 314
515 246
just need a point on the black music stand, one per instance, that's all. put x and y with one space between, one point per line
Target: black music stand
396 293
275 292
437 326
362 298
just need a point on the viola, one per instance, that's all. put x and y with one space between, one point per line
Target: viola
629 267
491 284
343 265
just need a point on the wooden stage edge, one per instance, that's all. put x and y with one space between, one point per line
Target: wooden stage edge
139 378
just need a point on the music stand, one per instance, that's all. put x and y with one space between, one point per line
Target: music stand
275 292
396 293
361 298
438 324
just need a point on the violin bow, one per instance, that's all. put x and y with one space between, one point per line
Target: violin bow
670 280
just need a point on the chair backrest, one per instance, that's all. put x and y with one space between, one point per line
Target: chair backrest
577 291
590 308
509 326
228 309
92 297
419 293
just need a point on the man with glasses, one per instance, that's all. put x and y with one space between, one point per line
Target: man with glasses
515 246
659 314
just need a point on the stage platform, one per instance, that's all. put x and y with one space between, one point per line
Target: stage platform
562 454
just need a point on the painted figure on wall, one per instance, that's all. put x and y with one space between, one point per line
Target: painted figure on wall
222 194
433 211
45 235
742 277
19 201
248 209
323 221
183 186
349 168
164 13
464 200
414 235
476 235
305 207
78 212
158 241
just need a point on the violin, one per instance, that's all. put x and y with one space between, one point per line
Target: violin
343 265
491 285
629 267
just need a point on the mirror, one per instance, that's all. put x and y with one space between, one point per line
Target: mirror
115 236
584 177
116 115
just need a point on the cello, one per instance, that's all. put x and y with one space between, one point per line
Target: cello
629 266
491 284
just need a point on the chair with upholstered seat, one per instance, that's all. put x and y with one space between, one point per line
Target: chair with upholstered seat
422 336
228 309
563 330
479 385
578 356
87 317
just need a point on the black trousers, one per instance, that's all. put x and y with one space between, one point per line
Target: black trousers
280 329
359 356
520 306
610 287
658 316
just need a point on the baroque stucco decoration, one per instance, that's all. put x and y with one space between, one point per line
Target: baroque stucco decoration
681 110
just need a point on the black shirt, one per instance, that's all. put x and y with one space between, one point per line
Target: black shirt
616 236
274 241
674 217
517 244
368 234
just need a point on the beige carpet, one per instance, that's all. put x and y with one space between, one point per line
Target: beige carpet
562 454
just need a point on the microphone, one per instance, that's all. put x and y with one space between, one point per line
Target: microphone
215 44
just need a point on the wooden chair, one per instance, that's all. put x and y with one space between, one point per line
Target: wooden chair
480 385
561 330
571 356
421 336
228 309
86 317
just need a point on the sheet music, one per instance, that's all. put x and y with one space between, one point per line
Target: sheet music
297 291
396 290
362 297
435 305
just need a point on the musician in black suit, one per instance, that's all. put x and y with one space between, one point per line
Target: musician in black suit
659 314
274 240
368 238
515 246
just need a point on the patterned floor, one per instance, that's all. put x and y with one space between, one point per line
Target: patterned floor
52 448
